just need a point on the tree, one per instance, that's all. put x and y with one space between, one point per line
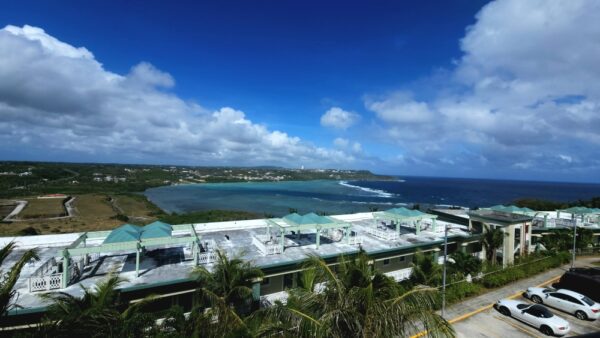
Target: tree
464 264
98 313
559 240
224 297
425 270
492 239
357 301
9 279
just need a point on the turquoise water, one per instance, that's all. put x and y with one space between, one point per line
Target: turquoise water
274 198
334 197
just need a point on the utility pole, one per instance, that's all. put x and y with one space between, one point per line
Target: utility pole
574 220
444 273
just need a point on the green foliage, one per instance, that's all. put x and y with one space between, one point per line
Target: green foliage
531 265
355 301
29 231
537 204
98 313
208 216
459 291
426 270
9 279
464 264
492 240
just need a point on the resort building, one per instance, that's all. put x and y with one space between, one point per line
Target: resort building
159 258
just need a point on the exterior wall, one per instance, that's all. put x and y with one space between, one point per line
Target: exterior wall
393 264
275 284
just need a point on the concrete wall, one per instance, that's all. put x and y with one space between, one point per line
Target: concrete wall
393 264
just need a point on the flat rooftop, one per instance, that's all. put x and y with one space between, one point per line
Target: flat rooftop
163 264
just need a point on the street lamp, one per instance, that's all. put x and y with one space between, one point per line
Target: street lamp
444 273
574 220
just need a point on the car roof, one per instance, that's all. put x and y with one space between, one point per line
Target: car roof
571 293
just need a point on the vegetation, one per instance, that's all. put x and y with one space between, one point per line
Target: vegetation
464 264
208 216
537 204
425 270
357 301
562 239
9 278
33 178
98 313
44 208
492 240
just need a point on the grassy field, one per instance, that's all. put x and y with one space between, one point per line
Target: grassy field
43 208
6 207
93 212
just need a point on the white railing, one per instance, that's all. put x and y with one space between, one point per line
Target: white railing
47 268
207 257
355 240
45 283
267 248
400 275
383 234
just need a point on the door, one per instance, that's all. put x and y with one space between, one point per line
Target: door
572 304
555 299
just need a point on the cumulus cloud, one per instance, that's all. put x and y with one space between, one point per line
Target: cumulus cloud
345 144
338 118
525 93
58 97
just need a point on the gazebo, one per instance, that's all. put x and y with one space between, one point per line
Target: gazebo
581 212
405 215
128 237
297 223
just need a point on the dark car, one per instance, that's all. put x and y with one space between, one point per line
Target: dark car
583 280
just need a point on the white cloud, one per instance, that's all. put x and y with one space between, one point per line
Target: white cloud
400 108
345 144
526 88
338 118
60 98
341 142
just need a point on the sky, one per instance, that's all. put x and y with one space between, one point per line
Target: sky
504 89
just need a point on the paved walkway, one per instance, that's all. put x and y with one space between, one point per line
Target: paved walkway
468 307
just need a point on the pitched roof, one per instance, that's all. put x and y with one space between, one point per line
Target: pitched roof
130 232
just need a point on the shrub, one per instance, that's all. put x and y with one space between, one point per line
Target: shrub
459 291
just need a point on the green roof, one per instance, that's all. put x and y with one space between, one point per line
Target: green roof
579 211
130 232
511 208
157 230
310 218
404 212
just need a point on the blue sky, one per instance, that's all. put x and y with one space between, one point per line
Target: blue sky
453 88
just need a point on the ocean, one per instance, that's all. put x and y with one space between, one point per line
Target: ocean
337 197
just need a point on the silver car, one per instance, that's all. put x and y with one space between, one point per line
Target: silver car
565 300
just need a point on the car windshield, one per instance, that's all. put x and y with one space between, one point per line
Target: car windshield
521 306
587 301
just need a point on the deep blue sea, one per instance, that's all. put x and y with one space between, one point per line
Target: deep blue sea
276 198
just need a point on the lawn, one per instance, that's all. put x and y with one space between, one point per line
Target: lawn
43 208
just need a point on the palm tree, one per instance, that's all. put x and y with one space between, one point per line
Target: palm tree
357 301
492 239
98 313
425 270
465 264
224 297
9 279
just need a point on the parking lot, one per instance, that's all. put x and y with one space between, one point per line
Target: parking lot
490 323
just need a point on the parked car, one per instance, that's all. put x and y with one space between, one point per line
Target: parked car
535 315
566 300
582 280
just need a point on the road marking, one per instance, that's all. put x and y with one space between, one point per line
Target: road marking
486 307
516 326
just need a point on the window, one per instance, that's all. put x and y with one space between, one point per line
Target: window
266 281
558 295
402 258
571 299
587 301
386 262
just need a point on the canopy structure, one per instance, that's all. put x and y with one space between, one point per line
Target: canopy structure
580 211
405 215
129 237
512 209
129 232
297 223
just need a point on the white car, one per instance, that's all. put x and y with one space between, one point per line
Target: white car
535 315
566 300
